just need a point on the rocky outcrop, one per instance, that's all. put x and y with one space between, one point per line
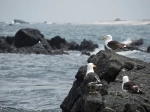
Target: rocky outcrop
20 21
5 46
136 42
27 37
27 41
87 45
58 43
111 67
148 49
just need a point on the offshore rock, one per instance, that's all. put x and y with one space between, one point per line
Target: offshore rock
111 67
136 42
5 47
28 40
148 49
27 37
87 45
57 42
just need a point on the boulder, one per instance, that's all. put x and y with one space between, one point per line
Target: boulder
86 53
87 45
57 42
111 67
148 49
5 47
27 37
136 42
73 46
35 49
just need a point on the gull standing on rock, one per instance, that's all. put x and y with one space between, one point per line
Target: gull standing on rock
92 78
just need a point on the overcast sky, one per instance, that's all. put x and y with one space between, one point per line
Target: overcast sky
74 10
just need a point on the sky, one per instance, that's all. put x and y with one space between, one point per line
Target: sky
74 10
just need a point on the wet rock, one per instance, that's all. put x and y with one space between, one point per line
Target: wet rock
148 49
27 37
27 41
136 42
73 46
5 47
110 98
134 108
86 53
57 42
87 45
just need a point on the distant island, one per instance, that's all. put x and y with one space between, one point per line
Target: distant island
20 21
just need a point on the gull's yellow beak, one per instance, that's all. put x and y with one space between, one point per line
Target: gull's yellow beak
104 38
94 66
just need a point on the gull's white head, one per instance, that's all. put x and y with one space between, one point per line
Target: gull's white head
125 79
90 67
107 38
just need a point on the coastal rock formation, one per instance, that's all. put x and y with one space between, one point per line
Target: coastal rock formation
87 45
20 21
136 42
5 47
28 40
148 49
27 37
58 43
111 67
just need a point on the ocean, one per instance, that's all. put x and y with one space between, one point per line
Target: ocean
39 83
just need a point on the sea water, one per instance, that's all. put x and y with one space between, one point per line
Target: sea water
37 82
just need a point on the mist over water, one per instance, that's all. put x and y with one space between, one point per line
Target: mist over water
41 82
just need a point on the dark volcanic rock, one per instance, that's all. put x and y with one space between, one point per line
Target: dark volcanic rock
57 42
111 67
136 42
148 49
27 37
73 46
27 41
87 45
5 47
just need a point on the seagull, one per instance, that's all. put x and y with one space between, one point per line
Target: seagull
111 44
130 87
92 78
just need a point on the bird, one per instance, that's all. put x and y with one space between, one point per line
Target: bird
91 77
111 44
130 86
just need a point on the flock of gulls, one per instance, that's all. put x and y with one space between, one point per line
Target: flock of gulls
92 78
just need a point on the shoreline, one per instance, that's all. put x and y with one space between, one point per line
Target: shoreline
121 22
140 22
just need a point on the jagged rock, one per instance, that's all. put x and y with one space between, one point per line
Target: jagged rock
85 53
87 45
136 42
148 49
5 47
27 37
73 46
27 41
10 40
110 98
57 42
35 49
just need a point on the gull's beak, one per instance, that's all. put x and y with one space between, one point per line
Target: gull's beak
94 66
104 38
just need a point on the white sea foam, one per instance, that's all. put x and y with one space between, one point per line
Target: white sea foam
127 53
127 41
101 47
